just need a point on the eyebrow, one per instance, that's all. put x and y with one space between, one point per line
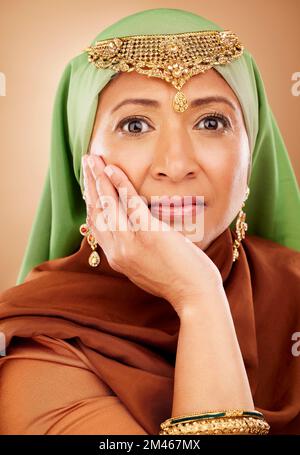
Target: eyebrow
193 104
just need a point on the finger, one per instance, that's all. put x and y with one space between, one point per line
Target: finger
110 201
95 218
90 190
124 191
135 205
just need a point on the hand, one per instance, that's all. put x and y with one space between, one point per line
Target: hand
162 262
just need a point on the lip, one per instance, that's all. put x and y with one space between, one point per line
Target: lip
177 211
176 201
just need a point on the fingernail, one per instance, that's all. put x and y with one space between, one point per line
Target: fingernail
91 161
83 158
92 165
98 185
86 189
109 171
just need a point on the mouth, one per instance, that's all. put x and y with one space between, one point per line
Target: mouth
177 206
176 201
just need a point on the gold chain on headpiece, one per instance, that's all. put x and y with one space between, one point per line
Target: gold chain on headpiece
174 58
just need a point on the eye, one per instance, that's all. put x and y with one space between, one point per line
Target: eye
214 121
135 125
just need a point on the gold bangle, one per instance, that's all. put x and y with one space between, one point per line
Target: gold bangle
228 425
211 414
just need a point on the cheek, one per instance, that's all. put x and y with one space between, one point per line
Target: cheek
127 155
226 166
116 146
240 163
223 161
102 144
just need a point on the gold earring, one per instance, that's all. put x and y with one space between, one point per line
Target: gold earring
94 259
240 229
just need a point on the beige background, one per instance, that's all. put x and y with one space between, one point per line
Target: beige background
39 37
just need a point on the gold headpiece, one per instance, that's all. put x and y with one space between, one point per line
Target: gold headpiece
174 58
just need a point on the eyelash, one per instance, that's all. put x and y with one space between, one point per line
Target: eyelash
216 115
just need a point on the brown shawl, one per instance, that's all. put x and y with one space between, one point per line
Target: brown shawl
130 336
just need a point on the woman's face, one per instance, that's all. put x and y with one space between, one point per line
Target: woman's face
203 151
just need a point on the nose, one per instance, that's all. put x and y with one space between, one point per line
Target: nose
174 156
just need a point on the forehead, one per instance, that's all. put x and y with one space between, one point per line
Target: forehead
135 84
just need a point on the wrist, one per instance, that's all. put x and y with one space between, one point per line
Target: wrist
202 303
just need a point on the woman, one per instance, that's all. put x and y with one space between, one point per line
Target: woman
119 331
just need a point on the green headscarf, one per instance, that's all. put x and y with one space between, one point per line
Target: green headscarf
273 207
